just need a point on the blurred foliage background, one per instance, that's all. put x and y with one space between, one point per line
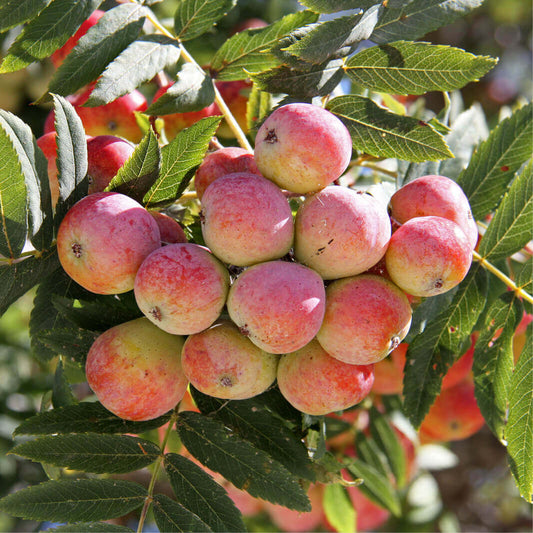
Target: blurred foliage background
469 489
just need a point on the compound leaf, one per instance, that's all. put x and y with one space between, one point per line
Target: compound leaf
171 516
333 6
15 12
71 342
83 527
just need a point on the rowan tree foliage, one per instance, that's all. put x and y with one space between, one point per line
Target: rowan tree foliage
262 445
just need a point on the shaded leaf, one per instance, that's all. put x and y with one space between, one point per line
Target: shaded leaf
431 353
247 51
333 6
195 17
238 461
416 68
510 229
519 429
84 417
73 343
179 160
89 452
171 516
103 42
15 12
495 161
140 171
380 133
411 20
47 32
257 108
83 527
75 500
524 276
197 492
138 63
339 509
368 452
193 91
61 391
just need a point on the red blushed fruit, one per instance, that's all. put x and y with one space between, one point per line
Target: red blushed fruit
370 516
455 415
388 373
135 371
181 288
47 143
103 239
235 94
59 55
302 148
317 384
428 256
248 24
221 162
278 305
171 232
461 368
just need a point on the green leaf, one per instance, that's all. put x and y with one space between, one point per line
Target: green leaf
252 421
113 33
416 18
238 461
524 276
519 429
335 38
380 133
73 343
84 417
431 353
83 527
197 492
333 6
75 500
247 52
34 168
495 161
71 156
257 108
15 12
90 452
47 32
193 91
196 17
339 509
493 360
61 391
138 63
510 229
416 68
140 171
376 486
179 160
368 452
17 279
171 516
13 212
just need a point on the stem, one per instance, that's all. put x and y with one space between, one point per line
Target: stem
506 279
155 473
230 119
377 168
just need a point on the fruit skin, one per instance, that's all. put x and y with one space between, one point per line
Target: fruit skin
221 162
461 369
428 256
278 305
181 288
171 232
47 143
302 148
434 195
366 317
455 415
103 239
223 363
59 55
389 372
317 384
235 94
240 236
340 232
135 370
370 516
106 155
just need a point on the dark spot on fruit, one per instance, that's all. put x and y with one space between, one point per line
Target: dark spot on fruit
112 125
330 241
244 330
76 249
156 313
422 123
226 381
320 250
438 283
202 216
271 137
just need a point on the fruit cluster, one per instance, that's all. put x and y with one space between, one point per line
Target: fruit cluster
304 287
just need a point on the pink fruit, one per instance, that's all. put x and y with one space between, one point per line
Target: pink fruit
223 363
428 256
370 516
438 196
181 288
340 232
235 94
135 371
278 305
302 148
246 219
366 318
103 239
388 373
171 232
317 384
461 368
221 162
